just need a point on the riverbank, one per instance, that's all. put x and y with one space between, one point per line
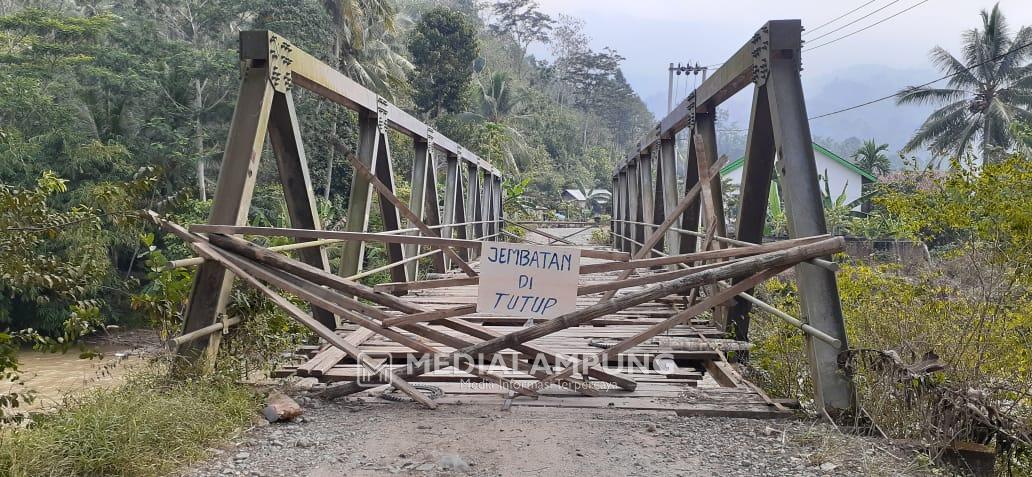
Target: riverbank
52 376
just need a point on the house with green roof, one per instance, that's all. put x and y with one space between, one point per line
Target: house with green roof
843 176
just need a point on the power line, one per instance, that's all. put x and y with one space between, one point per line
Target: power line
887 5
879 22
833 20
883 98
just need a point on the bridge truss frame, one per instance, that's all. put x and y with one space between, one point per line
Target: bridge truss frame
271 68
649 218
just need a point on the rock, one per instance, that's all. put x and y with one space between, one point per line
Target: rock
828 467
425 467
242 456
307 383
650 427
423 426
305 443
280 407
454 463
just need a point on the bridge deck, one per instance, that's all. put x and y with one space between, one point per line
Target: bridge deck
689 379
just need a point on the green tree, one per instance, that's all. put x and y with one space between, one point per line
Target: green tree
524 23
989 88
870 158
443 47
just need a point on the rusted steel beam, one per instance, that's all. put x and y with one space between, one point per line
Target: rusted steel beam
805 212
232 201
293 66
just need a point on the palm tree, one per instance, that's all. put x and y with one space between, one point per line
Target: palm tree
499 110
987 91
364 31
870 158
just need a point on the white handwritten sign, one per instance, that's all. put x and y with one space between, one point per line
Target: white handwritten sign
528 280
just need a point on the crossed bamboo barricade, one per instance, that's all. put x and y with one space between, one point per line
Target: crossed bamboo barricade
406 323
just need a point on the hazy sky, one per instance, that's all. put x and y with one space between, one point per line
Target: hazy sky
652 33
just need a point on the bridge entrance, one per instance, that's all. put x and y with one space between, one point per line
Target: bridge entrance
651 327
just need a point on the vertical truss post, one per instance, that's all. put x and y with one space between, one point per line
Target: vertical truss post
798 172
451 193
711 195
666 191
634 206
498 212
474 205
388 211
614 206
361 196
460 209
486 204
433 205
619 211
231 203
647 188
690 218
285 139
418 200
754 193
492 191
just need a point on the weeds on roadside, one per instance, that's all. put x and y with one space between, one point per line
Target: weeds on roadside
147 426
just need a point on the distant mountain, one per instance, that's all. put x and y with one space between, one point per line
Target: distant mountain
884 121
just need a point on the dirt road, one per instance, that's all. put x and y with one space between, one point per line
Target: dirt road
352 439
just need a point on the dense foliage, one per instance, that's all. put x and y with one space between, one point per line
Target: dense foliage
970 307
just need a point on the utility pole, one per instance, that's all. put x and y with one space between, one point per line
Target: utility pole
685 69
670 89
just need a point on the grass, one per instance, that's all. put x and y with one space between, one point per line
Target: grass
147 426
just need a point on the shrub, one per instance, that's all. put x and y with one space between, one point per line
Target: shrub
147 426
601 236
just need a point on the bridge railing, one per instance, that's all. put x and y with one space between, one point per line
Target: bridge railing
651 216
272 68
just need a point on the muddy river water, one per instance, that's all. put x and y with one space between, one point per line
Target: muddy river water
53 375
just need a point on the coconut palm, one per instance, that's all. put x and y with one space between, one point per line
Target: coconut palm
366 43
870 158
499 111
986 92
364 33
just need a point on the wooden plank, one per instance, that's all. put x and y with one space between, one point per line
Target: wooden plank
285 138
210 252
329 298
672 217
307 272
327 358
744 267
361 196
433 210
675 320
426 284
432 241
430 315
697 256
386 193
614 285
417 200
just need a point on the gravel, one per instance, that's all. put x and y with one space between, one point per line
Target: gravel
356 439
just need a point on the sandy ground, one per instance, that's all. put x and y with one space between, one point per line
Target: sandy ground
354 439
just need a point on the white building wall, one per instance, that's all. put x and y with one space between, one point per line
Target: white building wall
839 177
